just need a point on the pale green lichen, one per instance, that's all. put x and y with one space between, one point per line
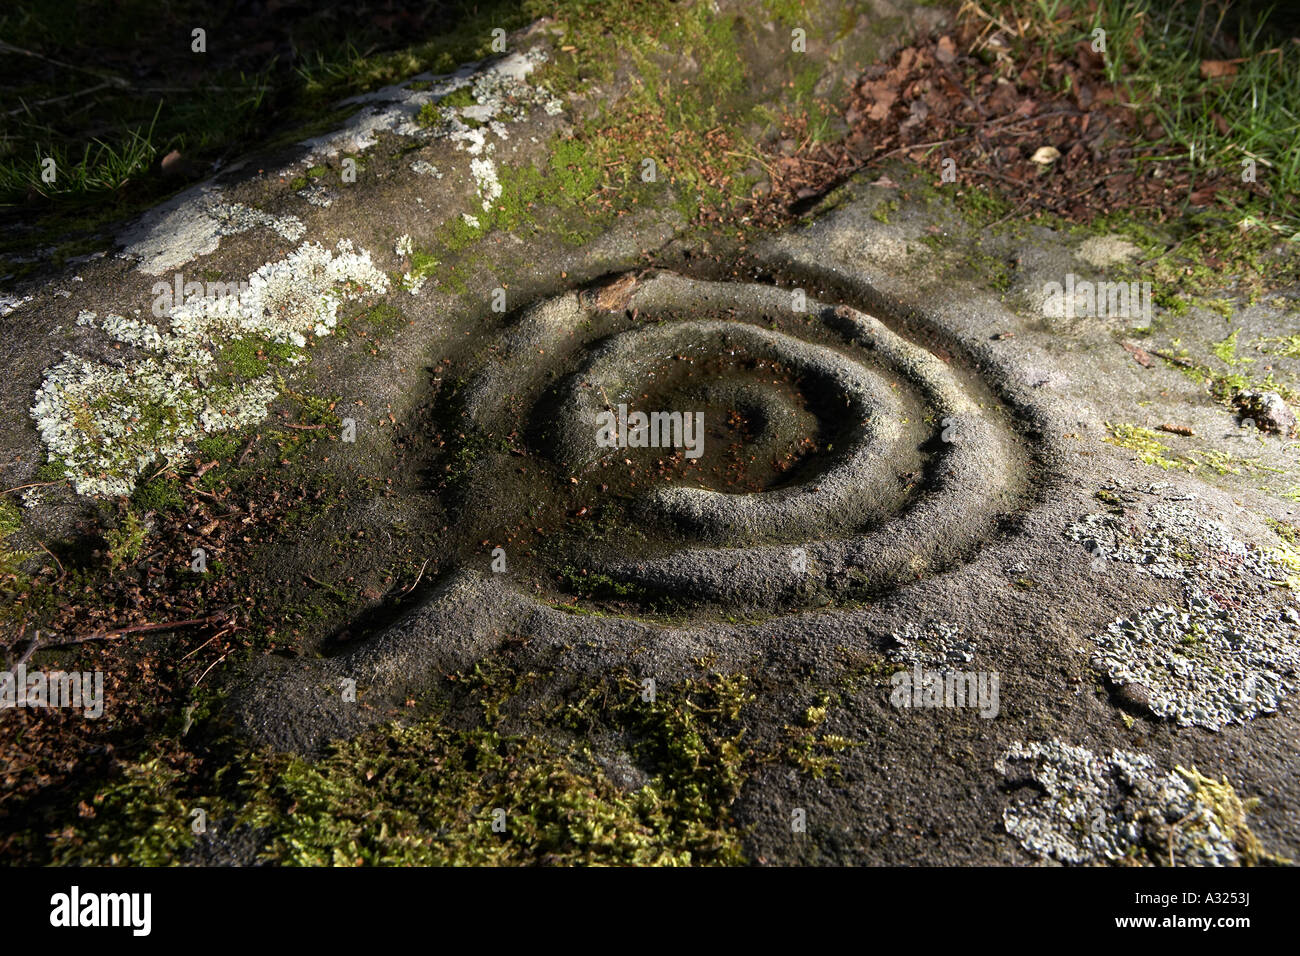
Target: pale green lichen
107 423
1223 654
932 644
1090 808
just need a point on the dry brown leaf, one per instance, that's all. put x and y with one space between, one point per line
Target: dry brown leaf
1214 69
617 294
1140 355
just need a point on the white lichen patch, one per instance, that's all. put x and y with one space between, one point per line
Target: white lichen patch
486 183
502 95
1207 664
318 195
404 246
192 225
11 303
935 644
423 167
1088 808
1226 652
107 423
234 218
500 91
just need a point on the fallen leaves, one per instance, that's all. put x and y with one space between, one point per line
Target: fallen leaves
1140 355
1217 69
945 51
1070 153
616 296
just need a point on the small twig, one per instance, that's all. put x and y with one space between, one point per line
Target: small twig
27 654
1049 193
305 428
210 666
328 587
1007 122
417 577
38 645
909 148
201 646
248 447
26 107
62 573
204 494
754 157
1170 357
34 484
1020 206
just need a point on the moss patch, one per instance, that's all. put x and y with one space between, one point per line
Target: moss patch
429 793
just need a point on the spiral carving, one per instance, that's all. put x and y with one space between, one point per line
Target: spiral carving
735 443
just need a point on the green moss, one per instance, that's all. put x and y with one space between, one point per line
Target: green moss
160 494
219 447
426 793
11 560
423 263
381 319
1287 553
126 541
812 751
310 410
10 518
457 99
137 819
1150 450
788 13
883 210
982 206
1288 346
1226 350
591 584
1229 812
253 356
430 115
308 177
457 235
1225 386
555 197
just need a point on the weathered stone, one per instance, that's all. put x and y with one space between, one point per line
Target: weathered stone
1267 410
936 479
